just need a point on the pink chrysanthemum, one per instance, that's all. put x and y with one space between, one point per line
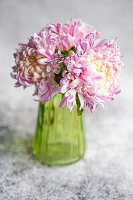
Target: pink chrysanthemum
35 63
30 63
93 73
65 36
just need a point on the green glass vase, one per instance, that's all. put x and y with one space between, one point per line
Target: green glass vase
59 138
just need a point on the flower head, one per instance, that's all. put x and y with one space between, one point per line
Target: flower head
93 73
65 36
35 63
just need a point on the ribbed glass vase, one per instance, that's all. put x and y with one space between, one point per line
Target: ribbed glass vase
59 138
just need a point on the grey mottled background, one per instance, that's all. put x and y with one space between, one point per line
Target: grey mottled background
106 172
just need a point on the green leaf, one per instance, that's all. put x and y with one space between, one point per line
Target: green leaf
56 51
58 77
79 112
65 53
73 48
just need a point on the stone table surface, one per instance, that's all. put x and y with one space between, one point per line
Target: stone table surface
106 171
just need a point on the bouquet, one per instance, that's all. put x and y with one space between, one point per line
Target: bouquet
71 59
